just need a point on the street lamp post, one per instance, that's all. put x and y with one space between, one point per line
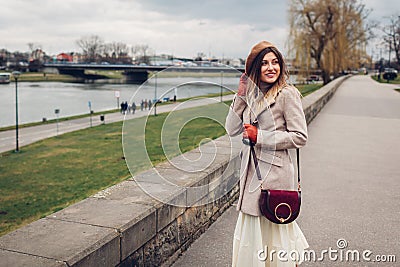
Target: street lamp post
90 112
57 112
222 77
155 94
16 75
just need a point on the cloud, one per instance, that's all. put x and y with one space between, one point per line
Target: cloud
253 12
382 9
221 28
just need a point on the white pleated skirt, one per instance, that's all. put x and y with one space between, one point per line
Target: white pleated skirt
258 242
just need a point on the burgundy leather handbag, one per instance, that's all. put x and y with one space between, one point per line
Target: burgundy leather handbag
279 206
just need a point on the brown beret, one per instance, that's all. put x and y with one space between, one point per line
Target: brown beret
254 52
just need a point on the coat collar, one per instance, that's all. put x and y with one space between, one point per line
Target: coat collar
266 103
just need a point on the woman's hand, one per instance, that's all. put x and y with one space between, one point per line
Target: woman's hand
239 104
250 132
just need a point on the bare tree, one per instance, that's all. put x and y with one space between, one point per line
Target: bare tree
91 46
34 46
141 53
329 35
120 52
116 52
36 52
106 52
392 36
120 49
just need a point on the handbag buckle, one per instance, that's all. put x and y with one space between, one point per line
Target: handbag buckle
282 220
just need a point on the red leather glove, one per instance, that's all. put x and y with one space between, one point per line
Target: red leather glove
242 85
250 132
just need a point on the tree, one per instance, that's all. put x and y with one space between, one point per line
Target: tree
117 52
392 36
141 53
91 46
329 35
4 57
34 46
120 52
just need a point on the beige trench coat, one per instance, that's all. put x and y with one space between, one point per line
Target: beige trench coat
281 126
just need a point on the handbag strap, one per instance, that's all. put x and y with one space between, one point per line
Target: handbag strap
253 152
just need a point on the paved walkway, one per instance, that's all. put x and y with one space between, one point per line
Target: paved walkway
29 135
350 180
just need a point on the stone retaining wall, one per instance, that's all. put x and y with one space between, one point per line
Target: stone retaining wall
124 226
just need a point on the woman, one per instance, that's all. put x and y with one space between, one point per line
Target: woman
268 112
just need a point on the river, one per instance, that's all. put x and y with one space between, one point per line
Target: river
38 100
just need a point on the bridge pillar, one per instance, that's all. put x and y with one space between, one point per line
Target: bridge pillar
79 73
136 76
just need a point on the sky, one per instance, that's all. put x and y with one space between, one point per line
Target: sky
183 28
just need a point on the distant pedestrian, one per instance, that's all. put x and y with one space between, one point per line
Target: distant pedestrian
150 104
125 107
145 104
122 107
174 98
141 105
381 69
133 107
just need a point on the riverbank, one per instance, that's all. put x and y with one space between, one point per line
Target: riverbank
51 121
43 77
115 76
304 89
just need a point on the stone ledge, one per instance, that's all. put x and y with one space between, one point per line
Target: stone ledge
146 219
11 258
73 243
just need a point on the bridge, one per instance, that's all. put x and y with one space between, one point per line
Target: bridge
134 73
139 73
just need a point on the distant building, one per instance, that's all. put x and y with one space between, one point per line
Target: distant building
77 58
37 54
63 57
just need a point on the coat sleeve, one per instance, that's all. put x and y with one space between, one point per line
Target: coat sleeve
234 119
295 134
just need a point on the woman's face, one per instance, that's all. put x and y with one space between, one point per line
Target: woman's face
270 68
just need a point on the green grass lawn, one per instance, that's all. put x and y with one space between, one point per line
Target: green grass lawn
54 173
307 89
